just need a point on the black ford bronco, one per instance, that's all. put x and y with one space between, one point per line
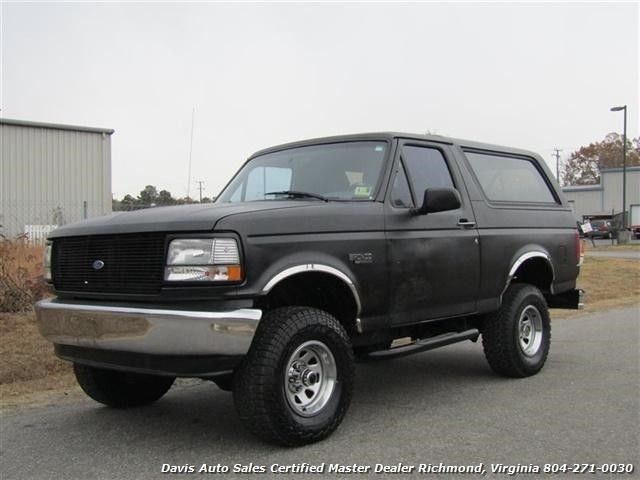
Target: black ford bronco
316 253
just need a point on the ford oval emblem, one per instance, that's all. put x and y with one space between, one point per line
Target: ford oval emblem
98 265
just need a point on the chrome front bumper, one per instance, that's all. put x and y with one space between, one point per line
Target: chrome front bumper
147 331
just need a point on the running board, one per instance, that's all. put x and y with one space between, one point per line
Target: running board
426 344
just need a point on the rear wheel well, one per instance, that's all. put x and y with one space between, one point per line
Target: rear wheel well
535 271
319 290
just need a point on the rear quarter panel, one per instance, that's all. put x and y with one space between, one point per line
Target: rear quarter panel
509 230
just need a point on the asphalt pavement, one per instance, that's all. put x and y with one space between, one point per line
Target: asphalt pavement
443 406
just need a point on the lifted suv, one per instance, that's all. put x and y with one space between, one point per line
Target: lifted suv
316 253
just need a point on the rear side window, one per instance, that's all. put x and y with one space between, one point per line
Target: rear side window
510 179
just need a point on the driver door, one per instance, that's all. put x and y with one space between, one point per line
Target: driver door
433 258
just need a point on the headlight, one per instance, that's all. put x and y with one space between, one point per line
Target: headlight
46 262
203 259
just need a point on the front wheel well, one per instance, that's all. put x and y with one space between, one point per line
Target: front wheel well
318 290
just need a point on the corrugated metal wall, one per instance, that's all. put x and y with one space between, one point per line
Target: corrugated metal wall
612 181
47 173
607 196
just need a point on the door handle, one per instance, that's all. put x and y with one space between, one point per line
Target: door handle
463 222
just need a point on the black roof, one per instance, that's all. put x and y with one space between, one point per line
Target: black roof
387 136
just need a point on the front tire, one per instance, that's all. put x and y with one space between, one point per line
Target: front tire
121 389
516 338
295 384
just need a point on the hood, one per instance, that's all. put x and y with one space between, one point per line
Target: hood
195 218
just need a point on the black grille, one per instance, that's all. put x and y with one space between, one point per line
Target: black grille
132 263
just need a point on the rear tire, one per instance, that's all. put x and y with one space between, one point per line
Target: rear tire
121 389
295 384
516 338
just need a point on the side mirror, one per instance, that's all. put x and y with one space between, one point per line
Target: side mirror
438 200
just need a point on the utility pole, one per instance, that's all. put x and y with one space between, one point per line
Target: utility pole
623 108
193 116
557 155
200 183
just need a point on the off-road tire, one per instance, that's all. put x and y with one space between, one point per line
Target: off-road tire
260 382
121 389
501 334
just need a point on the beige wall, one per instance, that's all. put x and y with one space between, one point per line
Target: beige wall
48 169
603 198
584 202
612 182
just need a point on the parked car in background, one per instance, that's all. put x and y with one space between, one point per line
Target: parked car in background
601 229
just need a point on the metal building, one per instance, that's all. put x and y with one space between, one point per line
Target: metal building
604 200
51 175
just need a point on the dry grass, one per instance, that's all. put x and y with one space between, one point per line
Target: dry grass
611 248
610 279
21 282
27 362
608 283
31 356
31 374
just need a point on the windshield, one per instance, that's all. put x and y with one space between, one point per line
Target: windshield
337 171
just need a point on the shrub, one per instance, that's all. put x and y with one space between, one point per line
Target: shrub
21 280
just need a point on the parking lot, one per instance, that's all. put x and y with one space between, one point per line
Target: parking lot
443 406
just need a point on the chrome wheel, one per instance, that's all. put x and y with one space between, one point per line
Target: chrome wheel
530 331
310 378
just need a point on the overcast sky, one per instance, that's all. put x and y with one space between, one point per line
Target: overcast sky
533 76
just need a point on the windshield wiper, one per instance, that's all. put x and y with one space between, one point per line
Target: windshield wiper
295 193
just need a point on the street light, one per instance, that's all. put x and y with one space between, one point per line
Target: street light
624 165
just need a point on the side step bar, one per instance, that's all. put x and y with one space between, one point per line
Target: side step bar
425 344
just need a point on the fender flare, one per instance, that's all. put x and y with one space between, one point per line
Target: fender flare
321 268
528 255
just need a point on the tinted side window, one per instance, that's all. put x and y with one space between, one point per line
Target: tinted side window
400 193
509 179
427 168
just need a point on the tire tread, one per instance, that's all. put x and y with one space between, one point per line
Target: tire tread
498 342
254 394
